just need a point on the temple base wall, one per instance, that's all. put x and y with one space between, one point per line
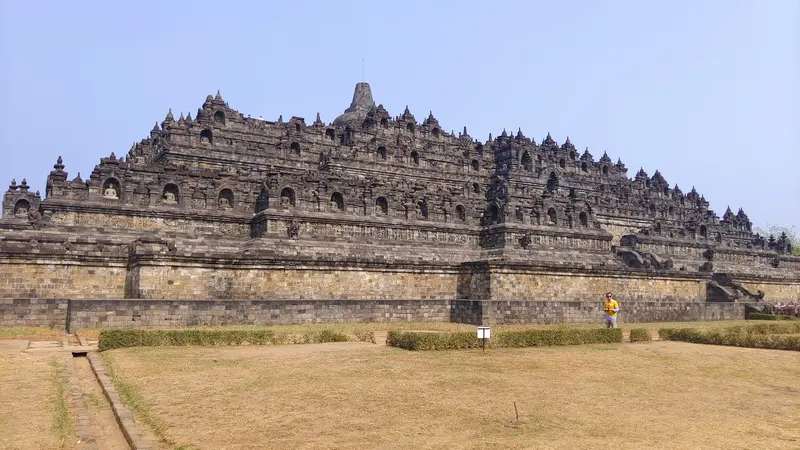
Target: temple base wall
76 315
325 282
32 280
571 287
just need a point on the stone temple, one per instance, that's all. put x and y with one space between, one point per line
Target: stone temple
221 218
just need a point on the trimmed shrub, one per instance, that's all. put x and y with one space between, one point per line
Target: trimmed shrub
735 337
640 335
120 338
415 340
557 336
762 316
410 340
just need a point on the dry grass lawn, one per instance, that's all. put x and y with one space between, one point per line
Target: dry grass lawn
34 411
356 395
32 333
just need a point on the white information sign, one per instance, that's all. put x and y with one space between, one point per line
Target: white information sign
484 332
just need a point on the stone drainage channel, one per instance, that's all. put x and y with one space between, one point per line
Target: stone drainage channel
103 421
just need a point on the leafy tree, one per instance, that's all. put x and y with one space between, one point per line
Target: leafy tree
777 230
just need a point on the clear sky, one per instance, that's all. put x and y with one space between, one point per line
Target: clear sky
706 91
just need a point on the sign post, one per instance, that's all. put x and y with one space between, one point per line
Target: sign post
484 333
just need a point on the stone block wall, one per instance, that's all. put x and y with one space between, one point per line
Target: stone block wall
181 313
522 312
35 280
47 313
75 315
281 283
776 291
516 285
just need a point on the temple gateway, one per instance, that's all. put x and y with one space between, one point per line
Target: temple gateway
222 218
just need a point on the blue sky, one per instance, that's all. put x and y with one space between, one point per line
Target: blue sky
706 91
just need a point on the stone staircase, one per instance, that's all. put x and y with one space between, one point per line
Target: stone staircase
380 336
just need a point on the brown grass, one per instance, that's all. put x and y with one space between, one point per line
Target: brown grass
351 395
354 329
30 333
34 412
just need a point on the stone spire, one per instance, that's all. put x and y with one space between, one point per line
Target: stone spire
359 107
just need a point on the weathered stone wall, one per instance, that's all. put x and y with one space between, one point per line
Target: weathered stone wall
510 285
777 291
180 313
521 312
34 280
145 222
47 313
282 283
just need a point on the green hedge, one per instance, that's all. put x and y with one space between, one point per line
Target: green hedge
640 335
415 340
770 336
411 340
763 316
119 338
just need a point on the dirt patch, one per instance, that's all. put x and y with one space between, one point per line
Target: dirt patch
658 395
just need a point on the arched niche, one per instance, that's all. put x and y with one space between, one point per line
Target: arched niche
337 201
287 197
381 206
225 199
494 214
206 136
295 148
381 152
22 207
422 209
415 158
111 189
461 214
583 219
219 118
476 165
171 195
527 162
384 123
552 218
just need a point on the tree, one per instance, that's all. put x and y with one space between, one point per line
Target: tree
777 230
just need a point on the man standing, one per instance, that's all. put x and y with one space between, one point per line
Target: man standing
612 308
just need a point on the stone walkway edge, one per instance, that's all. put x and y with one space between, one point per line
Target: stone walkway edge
123 415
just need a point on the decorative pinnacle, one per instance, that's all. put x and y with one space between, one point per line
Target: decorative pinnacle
189 116
504 133
318 119
13 186
465 131
169 117
218 97
180 119
155 127
280 118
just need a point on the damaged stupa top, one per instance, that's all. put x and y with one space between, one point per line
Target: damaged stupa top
359 107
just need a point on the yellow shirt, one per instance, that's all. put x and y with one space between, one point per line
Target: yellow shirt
610 306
